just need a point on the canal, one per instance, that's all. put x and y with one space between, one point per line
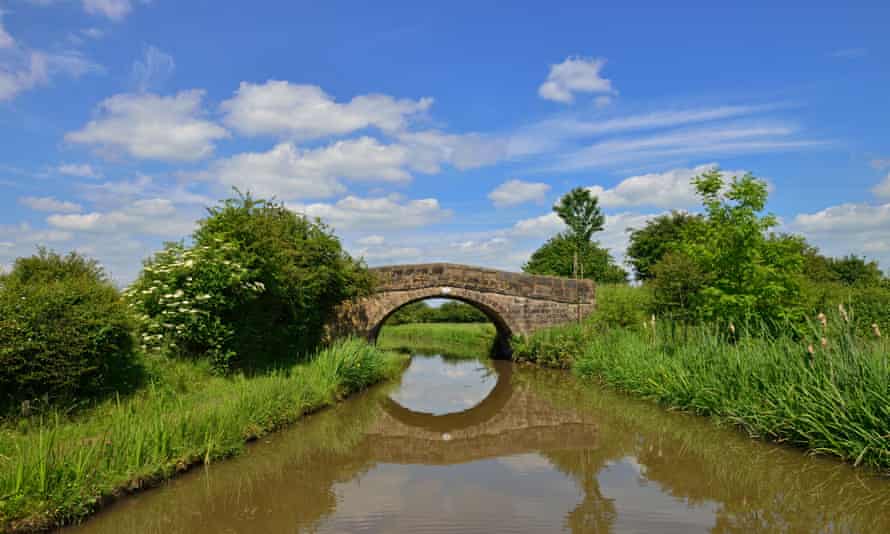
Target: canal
467 445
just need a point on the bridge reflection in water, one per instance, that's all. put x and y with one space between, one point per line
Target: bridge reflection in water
538 453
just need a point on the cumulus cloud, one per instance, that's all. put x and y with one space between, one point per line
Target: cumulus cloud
513 192
6 40
290 172
430 149
152 216
50 204
574 75
372 240
883 189
113 9
307 112
152 70
149 126
857 228
82 170
377 213
672 189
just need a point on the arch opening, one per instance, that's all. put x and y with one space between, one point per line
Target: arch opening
503 331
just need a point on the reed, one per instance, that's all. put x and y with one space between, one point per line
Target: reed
828 392
56 469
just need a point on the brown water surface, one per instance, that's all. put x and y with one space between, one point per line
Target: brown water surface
486 446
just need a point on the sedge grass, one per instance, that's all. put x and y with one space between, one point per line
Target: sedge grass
55 470
829 395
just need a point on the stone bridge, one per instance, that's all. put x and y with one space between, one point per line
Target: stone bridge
516 303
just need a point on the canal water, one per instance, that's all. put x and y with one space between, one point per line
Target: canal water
470 446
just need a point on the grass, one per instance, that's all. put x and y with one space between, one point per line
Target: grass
831 399
55 470
458 340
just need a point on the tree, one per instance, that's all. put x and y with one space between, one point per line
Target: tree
851 270
580 211
556 257
659 236
752 273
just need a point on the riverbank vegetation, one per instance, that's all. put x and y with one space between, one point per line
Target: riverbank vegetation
750 327
457 340
216 343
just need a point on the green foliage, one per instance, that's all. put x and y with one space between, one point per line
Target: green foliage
64 332
849 270
580 211
677 285
553 347
456 340
620 306
188 301
55 470
750 274
556 258
649 244
866 306
452 311
255 289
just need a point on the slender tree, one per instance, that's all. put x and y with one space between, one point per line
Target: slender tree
580 211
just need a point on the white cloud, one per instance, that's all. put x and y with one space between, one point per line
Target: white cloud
574 75
22 69
307 112
152 70
289 173
152 216
514 192
113 9
728 139
672 189
429 149
849 228
541 226
149 126
602 101
371 240
82 170
392 212
50 204
883 188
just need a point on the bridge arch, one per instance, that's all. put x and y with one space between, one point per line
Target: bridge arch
496 313
517 303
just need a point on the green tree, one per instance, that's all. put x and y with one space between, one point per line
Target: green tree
580 211
556 257
751 272
851 270
660 235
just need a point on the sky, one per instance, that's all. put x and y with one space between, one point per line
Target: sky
441 131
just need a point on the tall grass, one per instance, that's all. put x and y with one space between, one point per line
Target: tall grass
829 394
55 470
457 340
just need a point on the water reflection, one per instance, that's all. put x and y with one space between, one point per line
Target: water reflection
522 450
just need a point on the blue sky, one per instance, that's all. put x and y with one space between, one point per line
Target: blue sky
426 133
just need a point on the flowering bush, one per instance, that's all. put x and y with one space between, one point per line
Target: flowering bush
186 300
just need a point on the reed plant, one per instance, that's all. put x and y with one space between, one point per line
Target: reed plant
827 391
55 469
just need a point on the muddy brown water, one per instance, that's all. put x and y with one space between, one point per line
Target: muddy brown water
471 446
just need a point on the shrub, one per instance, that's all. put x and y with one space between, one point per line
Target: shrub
64 331
621 305
552 347
256 288
187 301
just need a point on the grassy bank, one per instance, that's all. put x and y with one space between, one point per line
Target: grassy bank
459 340
831 399
56 469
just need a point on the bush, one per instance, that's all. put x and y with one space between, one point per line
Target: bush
64 331
187 300
256 288
866 306
552 347
621 305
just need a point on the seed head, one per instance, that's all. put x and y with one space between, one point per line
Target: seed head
822 319
843 312
824 342
731 327
876 329
810 349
